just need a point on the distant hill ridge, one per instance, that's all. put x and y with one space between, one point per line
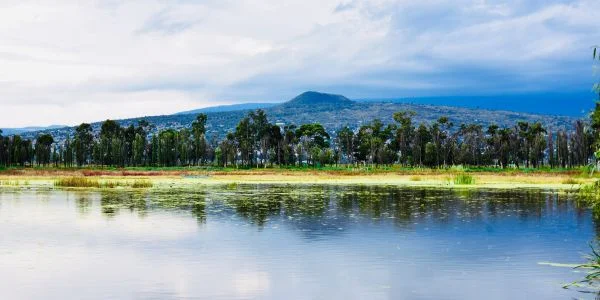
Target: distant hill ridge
11 131
335 111
231 107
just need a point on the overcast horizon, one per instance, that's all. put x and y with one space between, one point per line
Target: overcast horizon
67 63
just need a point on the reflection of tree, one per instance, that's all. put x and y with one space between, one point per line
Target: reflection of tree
329 210
193 201
142 201
84 203
256 208
113 201
198 210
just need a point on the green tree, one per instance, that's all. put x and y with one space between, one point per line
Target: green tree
244 140
199 138
260 127
595 116
110 132
404 135
43 148
345 139
312 137
83 143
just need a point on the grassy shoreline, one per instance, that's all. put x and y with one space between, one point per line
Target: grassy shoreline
555 179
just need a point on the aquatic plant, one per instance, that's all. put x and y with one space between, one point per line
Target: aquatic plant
592 278
590 193
570 181
110 184
464 179
231 186
77 182
138 184
415 178
9 183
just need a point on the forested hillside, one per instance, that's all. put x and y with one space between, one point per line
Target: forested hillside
334 112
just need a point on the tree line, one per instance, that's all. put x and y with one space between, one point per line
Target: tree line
256 142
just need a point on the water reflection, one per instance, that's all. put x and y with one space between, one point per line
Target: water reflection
322 205
290 242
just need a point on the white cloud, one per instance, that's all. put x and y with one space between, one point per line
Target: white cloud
69 62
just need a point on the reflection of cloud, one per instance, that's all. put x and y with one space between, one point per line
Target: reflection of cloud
149 227
251 284
32 215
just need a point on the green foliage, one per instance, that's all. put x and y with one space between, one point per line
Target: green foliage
463 179
595 116
592 266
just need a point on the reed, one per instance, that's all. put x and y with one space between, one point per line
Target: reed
464 179
76 182
570 181
592 277
110 184
140 184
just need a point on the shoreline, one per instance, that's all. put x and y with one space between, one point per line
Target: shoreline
180 178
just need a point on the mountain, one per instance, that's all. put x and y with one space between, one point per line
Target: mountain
336 111
316 99
11 131
224 108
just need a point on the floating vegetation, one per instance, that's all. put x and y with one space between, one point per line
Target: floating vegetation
464 179
77 182
231 186
10 183
415 178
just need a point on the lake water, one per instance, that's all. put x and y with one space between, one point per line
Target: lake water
290 242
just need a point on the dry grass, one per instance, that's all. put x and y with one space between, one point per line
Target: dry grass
570 181
111 184
77 182
107 178
80 181
95 173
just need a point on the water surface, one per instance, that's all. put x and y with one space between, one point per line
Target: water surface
290 242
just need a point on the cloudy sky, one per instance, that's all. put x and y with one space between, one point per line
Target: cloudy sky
64 62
